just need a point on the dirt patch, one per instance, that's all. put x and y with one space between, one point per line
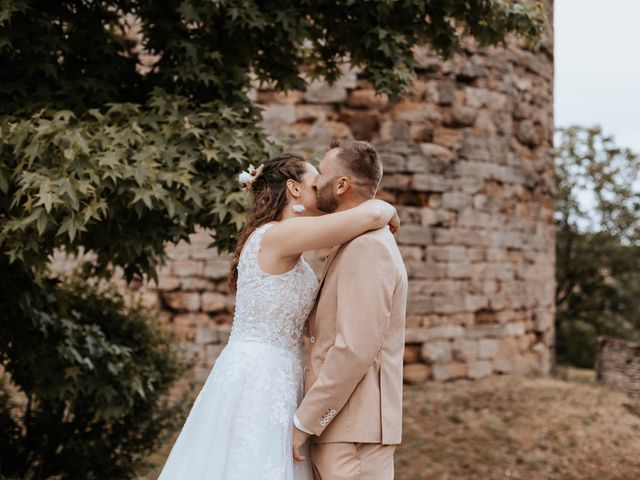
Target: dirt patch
513 427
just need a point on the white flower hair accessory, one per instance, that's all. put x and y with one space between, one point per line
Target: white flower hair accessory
247 177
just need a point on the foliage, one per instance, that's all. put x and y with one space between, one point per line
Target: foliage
92 374
597 245
211 50
123 124
74 109
120 182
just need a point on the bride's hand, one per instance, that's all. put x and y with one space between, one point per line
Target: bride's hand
388 214
394 224
384 211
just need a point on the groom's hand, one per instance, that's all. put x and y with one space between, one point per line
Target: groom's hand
299 438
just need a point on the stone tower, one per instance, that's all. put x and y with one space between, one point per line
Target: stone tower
468 160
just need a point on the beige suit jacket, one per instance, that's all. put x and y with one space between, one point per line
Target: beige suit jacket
353 379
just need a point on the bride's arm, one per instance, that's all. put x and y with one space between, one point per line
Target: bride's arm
301 234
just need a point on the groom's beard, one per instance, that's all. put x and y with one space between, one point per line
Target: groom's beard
327 201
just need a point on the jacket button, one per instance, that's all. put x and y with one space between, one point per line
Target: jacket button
312 339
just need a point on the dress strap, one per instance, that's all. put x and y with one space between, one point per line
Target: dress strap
248 269
260 231
253 245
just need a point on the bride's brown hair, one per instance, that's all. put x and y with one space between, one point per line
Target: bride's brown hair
269 198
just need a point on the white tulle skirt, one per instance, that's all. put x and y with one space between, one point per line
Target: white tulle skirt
240 425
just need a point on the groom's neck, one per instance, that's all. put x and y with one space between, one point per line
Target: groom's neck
351 202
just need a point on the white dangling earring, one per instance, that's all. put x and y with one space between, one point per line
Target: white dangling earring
298 208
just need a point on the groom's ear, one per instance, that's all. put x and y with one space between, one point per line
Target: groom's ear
342 185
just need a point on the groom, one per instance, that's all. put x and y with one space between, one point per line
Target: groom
352 408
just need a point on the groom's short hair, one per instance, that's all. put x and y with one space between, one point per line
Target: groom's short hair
360 158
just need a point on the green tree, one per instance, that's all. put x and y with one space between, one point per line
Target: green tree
91 376
91 148
115 143
597 243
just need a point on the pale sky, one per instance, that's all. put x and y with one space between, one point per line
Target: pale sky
597 67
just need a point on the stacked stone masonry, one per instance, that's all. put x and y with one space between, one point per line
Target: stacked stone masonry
468 160
618 365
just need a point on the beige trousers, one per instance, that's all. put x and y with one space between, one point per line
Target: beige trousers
352 461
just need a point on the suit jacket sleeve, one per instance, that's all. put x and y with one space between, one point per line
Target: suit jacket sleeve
366 280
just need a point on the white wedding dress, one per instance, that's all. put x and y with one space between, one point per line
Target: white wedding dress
240 425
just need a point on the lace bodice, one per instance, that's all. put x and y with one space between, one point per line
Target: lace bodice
271 309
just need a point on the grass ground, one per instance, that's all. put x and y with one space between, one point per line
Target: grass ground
566 427
559 428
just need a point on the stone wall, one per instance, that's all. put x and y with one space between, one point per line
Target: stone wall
468 161
618 365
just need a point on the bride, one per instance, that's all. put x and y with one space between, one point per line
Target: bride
240 425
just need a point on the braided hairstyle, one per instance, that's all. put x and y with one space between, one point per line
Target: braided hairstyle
269 198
